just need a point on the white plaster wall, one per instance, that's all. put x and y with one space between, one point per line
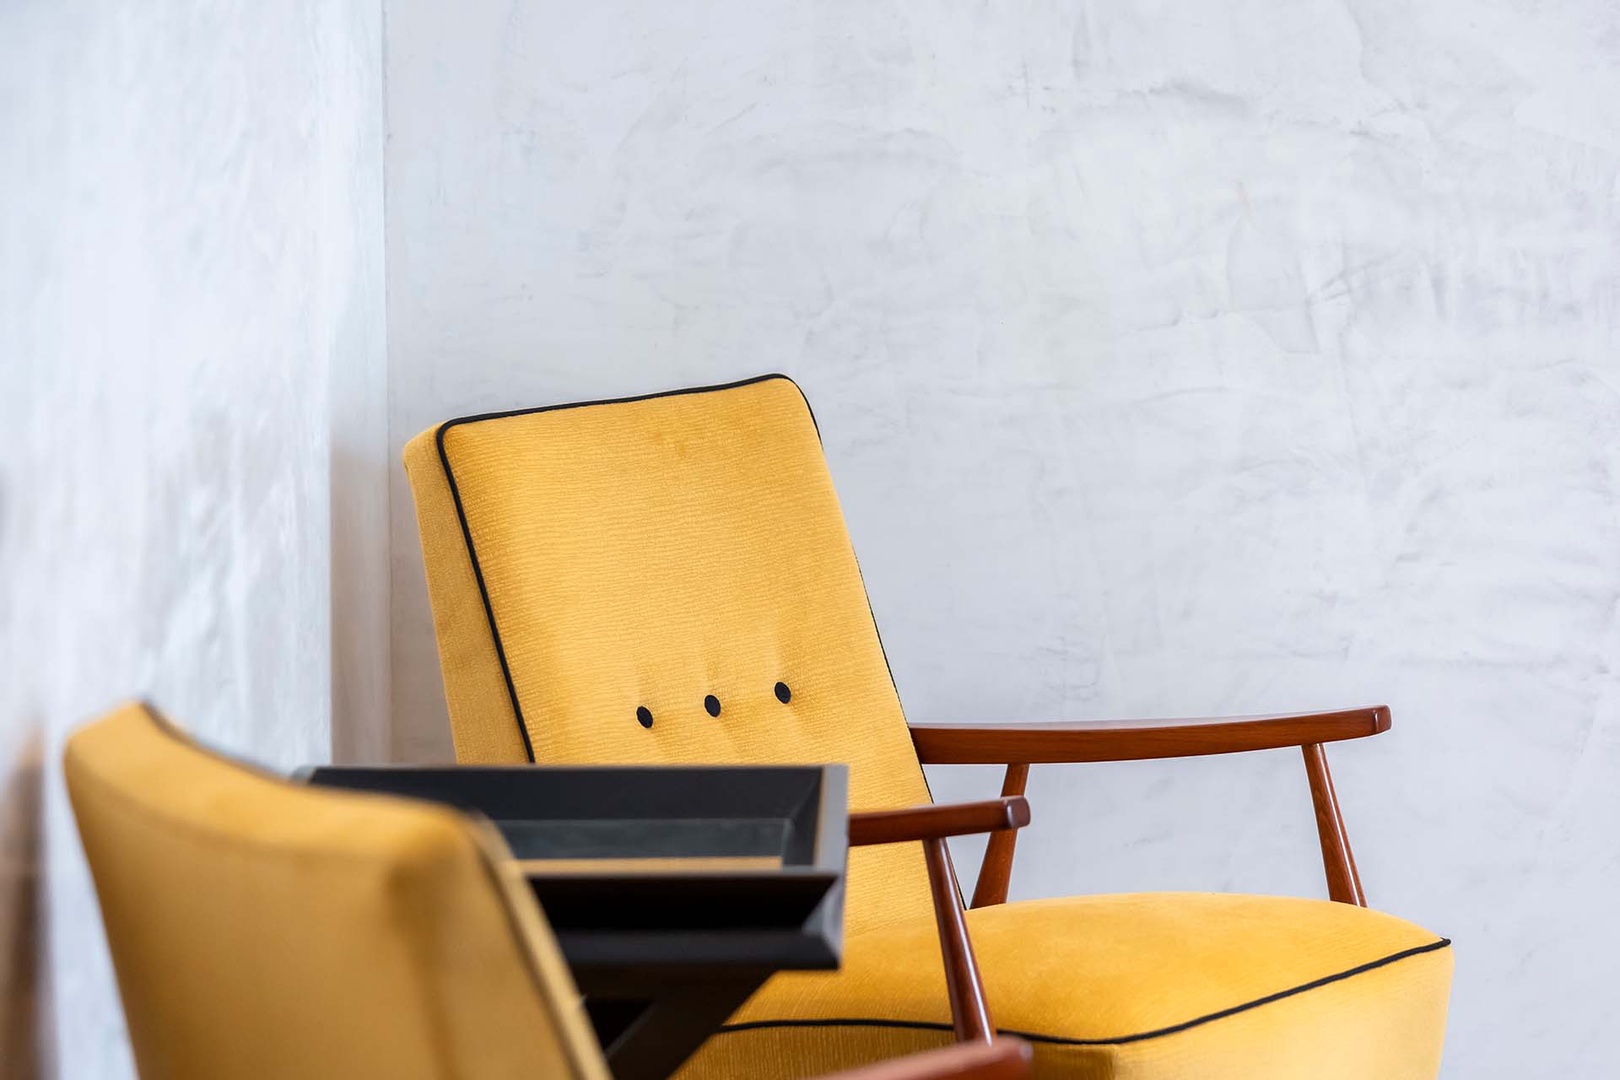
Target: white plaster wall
1171 358
191 287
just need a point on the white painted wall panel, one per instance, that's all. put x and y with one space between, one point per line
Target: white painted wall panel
190 299
1171 358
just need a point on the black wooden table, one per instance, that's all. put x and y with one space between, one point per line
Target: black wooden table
674 893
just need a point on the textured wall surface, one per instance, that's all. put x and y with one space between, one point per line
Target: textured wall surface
190 287
1171 358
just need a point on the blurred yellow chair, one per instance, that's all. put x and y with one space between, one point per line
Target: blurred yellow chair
669 579
262 930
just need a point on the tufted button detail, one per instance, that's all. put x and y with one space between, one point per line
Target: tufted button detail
712 705
783 694
644 715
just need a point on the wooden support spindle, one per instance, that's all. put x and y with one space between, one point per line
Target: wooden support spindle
1344 883
996 870
970 1014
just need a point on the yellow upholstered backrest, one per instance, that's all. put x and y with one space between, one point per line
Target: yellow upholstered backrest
646 581
262 929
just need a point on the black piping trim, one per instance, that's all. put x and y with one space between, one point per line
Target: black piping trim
1173 1029
478 575
472 551
877 631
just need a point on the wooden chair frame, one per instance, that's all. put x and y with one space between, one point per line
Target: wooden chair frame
932 825
1018 746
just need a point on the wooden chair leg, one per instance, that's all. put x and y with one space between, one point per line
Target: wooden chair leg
996 869
1344 883
970 1014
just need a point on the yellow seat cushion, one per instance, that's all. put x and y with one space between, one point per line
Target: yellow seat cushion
1153 986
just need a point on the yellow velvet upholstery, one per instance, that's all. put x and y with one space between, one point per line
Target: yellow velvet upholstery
588 561
650 555
1127 988
261 929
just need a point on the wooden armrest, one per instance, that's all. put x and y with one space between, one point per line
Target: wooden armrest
970 1014
1018 746
1135 740
1004 1059
936 822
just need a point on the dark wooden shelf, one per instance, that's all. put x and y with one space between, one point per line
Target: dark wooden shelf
674 893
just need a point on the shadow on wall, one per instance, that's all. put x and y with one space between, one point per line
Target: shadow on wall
21 993
359 609
24 1050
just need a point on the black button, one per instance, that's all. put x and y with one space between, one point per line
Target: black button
783 694
712 704
644 714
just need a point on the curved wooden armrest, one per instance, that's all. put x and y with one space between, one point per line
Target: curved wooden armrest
1018 746
1004 1059
970 1014
936 822
1136 740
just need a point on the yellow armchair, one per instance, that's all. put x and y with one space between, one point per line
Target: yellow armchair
669 579
263 930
